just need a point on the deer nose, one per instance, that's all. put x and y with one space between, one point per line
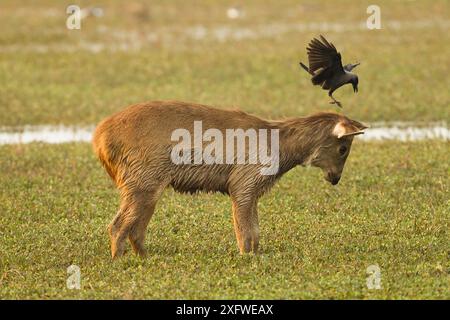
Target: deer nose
334 179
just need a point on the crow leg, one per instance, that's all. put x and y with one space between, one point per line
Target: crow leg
330 94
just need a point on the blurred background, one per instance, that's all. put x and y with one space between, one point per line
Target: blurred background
226 53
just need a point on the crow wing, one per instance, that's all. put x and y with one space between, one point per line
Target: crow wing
324 60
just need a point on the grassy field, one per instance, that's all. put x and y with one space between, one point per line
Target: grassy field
391 208
317 240
50 75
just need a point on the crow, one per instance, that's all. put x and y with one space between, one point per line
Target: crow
325 67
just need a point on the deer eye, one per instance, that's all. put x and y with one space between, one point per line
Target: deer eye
342 150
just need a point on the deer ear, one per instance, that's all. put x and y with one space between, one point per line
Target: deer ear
340 131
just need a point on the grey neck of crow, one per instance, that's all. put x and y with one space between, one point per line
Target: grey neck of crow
348 77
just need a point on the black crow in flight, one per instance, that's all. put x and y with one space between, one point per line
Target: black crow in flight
326 68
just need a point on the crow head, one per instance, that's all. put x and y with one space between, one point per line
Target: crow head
349 67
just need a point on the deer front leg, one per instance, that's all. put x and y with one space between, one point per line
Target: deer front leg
246 225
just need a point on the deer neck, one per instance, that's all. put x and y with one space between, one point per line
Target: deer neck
297 143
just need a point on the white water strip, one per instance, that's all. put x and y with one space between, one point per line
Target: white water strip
406 133
45 133
114 40
63 134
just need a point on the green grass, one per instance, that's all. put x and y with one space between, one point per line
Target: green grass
403 75
391 209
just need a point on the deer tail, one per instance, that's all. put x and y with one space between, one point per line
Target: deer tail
103 150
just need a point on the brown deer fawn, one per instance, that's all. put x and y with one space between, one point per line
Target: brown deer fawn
140 149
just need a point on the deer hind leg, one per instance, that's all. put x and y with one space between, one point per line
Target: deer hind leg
139 227
131 221
246 225
117 244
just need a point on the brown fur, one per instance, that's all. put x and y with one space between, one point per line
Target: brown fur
134 146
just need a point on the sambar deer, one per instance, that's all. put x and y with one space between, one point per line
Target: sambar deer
136 147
